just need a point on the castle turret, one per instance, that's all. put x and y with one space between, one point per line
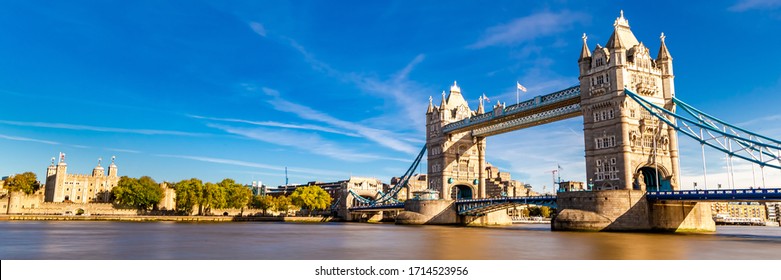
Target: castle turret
51 170
98 171
585 57
112 168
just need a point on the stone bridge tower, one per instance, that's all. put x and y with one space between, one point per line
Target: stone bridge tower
626 147
456 162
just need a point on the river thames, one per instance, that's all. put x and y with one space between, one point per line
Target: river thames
345 241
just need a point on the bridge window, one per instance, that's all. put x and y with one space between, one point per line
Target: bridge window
600 61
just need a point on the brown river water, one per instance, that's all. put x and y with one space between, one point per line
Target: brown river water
342 241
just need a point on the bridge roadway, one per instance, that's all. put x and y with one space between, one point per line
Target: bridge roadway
478 207
543 109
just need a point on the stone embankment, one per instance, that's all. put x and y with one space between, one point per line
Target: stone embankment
164 218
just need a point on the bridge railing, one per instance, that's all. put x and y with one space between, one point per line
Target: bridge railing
736 194
537 101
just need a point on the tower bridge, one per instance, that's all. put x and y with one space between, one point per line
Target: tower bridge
628 103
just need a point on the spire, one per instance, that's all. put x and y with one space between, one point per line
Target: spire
444 102
622 37
455 88
614 43
430 105
480 108
584 52
664 54
99 160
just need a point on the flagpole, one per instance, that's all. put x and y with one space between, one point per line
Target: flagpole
517 96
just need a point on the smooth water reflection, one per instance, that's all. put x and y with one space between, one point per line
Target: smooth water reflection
168 240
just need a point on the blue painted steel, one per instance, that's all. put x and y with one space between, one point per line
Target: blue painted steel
749 146
539 101
478 207
387 198
718 195
387 206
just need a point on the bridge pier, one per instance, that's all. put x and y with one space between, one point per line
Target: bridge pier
628 210
444 212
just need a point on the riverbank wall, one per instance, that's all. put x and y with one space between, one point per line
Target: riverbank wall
165 218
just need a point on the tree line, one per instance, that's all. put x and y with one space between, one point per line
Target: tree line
145 193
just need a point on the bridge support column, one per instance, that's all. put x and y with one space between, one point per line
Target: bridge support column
628 210
481 166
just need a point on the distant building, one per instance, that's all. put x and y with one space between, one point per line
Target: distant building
747 210
415 184
79 188
571 186
773 211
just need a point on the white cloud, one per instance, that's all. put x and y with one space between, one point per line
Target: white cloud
745 5
278 124
251 164
305 141
379 136
408 95
258 28
528 28
101 129
16 138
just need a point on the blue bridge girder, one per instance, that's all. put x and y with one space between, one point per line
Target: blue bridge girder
543 109
378 207
717 195
478 207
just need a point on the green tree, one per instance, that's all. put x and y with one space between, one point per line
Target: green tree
282 203
188 195
263 202
311 198
26 182
545 211
142 193
212 196
541 211
236 195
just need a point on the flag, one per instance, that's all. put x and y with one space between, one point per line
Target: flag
486 98
520 87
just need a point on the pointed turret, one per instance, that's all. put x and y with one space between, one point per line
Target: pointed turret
622 37
584 52
664 54
585 57
480 108
430 105
444 101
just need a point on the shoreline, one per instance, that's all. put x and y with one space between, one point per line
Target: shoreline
166 218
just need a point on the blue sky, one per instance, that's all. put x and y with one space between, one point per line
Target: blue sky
216 89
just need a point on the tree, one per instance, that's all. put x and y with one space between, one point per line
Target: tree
236 195
142 193
26 182
311 198
263 202
282 203
188 194
542 211
212 196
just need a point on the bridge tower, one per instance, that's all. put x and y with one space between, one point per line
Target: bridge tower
626 147
456 162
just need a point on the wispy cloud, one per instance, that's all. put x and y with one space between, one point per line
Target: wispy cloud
278 124
122 150
16 138
528 28
258 28
765 119
406 94
305 141
101 129
745 5
382 137
251 164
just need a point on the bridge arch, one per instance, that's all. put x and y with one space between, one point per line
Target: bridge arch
650 178
463 191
